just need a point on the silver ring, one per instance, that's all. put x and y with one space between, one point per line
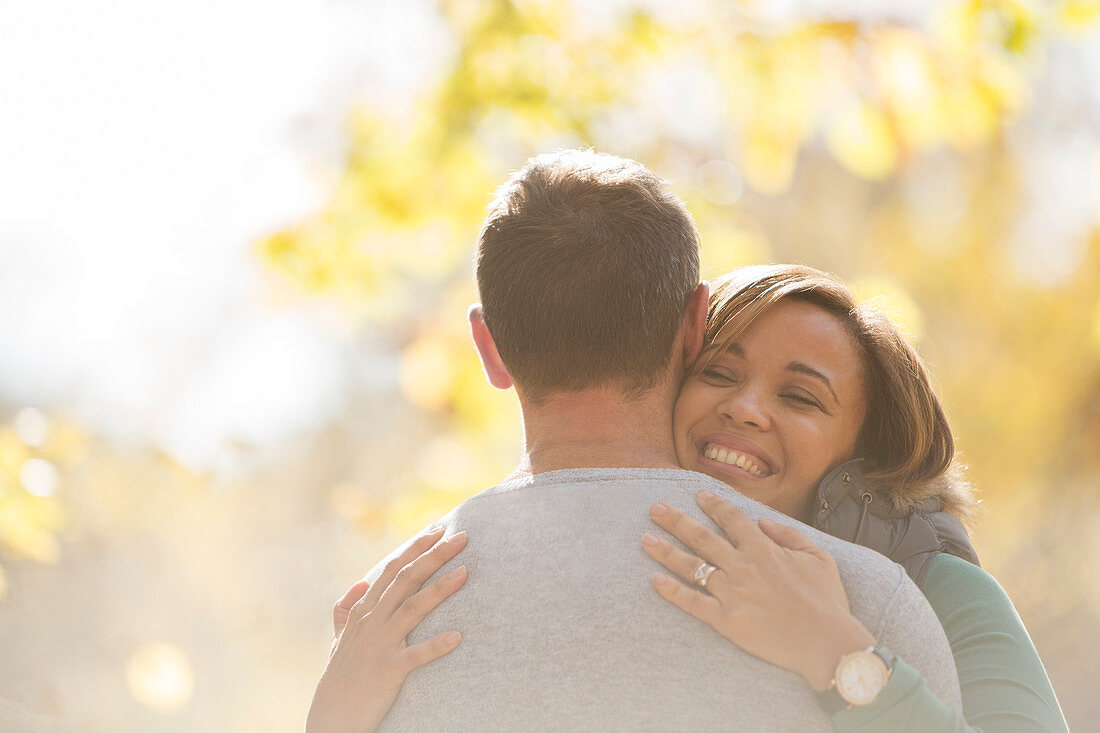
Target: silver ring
702 574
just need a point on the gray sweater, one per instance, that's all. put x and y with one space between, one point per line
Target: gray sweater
562 629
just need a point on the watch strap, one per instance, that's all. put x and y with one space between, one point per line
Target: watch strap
831 701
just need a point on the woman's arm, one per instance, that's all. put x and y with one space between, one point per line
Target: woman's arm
369 659
1003 683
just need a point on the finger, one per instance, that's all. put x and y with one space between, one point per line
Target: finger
413 610
413 575
682 563
693 602
741 530
417 655
415 549
702 540
342 609
786 536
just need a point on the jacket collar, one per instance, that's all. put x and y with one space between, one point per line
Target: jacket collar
848 481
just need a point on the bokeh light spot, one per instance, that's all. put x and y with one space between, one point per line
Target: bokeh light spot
39 477
160 678
720 182
32 426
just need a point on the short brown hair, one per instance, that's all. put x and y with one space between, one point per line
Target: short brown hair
905 438
585 264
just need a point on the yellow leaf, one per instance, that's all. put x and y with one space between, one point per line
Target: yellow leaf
907 73
1079 15
29 541
28 525
768 161
861 139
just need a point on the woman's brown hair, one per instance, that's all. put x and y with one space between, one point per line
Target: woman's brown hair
905 439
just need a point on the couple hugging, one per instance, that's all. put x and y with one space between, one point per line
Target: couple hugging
737 506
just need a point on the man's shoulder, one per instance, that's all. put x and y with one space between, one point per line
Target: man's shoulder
563 482
612 489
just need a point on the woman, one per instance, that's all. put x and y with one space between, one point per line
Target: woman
809 403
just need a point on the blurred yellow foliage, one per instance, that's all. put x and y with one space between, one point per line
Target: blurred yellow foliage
427 378
409 513
395 238
28 526
1096 328
1079 15
888 297
34 451
861 139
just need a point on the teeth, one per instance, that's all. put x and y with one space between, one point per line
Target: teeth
733 458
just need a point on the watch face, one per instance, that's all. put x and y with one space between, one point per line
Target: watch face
860 677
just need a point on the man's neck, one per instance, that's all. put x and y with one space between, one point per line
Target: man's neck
598 428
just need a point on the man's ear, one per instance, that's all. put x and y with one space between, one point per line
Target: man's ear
495 371
695 323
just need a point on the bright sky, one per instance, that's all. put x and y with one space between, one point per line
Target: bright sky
143 149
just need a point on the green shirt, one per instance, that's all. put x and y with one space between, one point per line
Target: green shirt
1004 685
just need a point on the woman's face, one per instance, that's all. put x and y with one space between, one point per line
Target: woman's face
773 413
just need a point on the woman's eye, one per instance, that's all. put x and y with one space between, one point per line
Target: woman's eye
802 399
717 375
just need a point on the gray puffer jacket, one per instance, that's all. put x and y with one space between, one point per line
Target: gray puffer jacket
849 508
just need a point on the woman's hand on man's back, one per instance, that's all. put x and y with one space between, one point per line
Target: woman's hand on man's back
772 591
370 659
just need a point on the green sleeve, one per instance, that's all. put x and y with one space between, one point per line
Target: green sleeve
1004 685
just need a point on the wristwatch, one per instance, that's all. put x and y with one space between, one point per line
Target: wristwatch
859 678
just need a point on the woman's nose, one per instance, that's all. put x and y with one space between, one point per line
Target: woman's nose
745 408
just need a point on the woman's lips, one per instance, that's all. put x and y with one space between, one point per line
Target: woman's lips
747 463
736 453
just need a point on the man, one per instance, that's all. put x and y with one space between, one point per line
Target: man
587 268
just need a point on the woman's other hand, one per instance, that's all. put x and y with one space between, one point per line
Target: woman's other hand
370 659
773 592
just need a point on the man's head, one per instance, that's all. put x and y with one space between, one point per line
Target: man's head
585 265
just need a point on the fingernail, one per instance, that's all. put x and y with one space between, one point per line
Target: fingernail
658 508
432 532
704 494
649 539
453 638
457 573
457 538
660 578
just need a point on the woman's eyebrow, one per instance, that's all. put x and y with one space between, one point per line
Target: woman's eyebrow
797 366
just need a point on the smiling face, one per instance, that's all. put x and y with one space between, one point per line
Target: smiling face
776 410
